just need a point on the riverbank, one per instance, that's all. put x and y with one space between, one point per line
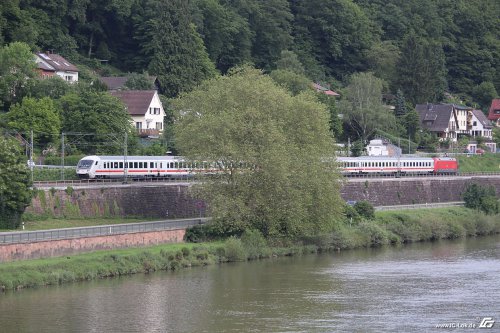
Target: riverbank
394 227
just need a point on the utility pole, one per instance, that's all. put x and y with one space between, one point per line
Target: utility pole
125 163
62 156
348 147
31 156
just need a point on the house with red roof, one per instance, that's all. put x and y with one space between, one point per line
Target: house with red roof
494 113
324 90
50 64
145 108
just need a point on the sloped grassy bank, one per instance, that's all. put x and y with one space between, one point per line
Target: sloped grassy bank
395 227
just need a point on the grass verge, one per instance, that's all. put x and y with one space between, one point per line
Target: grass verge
479 163
393 227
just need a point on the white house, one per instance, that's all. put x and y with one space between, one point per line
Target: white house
145 108
480 125
379 147
50 64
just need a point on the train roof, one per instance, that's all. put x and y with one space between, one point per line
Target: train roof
383 158
134 158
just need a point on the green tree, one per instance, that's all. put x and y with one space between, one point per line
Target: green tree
15 193
262 139
332 35
481 198
138 81
484 93
365 209
101 117
172 48
422 71
290 61
412 124
37 115
226 34
17 66
362 107
382 58
293 82
54 87
400 108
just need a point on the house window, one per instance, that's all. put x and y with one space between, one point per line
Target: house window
68 78
159 126
138 125
474 123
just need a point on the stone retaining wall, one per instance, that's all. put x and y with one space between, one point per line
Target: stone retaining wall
388 192
173 201
65 247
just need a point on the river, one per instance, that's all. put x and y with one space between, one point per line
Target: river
410 288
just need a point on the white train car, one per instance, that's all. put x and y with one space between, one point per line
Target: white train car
385 165
134 166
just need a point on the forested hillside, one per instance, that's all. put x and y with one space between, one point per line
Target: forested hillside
423 47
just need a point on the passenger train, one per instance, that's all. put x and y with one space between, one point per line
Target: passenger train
176 167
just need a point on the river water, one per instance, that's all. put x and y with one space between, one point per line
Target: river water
411 288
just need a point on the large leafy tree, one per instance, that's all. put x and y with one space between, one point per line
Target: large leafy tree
172 48
363 109
271 150
15 193
37 115
96 120
17 66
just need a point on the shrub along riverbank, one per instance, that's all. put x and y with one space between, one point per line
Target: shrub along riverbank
394 227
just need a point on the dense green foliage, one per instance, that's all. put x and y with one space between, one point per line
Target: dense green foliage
102 117
419 46
262 140
481 198
37 115
16 69
15 192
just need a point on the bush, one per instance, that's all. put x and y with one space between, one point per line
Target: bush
254 243
202 233
377 235
481 198
365 209
234 250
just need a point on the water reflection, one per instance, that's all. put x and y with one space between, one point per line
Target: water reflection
407 289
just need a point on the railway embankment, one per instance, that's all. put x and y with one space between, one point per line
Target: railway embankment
166 200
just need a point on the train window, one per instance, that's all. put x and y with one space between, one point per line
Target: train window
135 165
151 165
121 165
115 165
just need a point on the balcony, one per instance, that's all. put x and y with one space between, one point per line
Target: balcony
148 133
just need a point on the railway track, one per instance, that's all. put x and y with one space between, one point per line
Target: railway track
114 182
